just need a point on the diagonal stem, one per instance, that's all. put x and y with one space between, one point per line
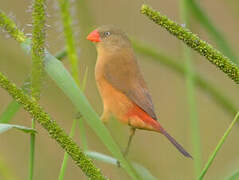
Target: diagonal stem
218 147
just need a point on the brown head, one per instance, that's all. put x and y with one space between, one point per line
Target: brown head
109 37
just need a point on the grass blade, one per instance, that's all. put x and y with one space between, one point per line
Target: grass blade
81 119
218 147
6 127
70 42
143 172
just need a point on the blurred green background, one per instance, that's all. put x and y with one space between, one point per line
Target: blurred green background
167 88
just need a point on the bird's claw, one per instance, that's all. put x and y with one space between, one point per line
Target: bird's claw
118 163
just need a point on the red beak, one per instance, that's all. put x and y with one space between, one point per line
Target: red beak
94 36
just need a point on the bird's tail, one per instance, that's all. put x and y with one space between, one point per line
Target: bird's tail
154 125
175 143
160 129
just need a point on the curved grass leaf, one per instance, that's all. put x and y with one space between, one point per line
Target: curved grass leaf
6 127
143 172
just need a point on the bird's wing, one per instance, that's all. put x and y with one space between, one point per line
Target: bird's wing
129 80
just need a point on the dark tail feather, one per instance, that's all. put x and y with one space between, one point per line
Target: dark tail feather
176 144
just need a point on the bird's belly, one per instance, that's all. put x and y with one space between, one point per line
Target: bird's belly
114 101
122 108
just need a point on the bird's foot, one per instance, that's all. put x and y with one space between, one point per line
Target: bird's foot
118 164
78 115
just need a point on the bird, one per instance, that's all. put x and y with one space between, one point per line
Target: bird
121 85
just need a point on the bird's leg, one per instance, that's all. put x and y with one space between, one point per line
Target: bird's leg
78 115
132 132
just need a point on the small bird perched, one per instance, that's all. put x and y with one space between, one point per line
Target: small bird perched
121 84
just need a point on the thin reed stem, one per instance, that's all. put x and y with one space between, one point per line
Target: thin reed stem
70 42
218 147
191 96
38 42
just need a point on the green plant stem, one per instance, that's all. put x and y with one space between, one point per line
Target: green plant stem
193 41
9 26
85 25
82 134
72 132
191 97
72 54
202 17
37 51
66 156
38 42
61 55
218 147
81 119
87 22
70 43
205 85
56 132
32 152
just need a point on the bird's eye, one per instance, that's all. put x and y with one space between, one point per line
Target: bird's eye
107 33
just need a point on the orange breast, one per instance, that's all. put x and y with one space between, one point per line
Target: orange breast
123 108
114 101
